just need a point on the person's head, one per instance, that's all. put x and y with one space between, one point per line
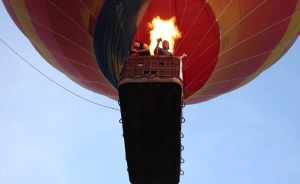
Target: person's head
136 44
165 44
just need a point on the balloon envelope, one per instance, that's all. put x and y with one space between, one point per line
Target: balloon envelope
228 42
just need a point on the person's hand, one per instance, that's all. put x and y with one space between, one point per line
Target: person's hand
159 40
134 51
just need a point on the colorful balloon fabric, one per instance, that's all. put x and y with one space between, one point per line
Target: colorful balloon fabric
228 42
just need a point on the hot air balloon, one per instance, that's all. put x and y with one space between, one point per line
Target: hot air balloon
228 43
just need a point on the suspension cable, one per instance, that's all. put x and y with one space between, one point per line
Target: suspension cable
53 80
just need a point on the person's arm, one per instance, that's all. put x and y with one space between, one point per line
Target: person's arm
145 48
157 48
182 56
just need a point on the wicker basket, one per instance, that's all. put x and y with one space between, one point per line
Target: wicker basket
150 66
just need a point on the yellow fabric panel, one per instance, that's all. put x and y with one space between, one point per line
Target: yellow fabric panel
231 16
26 23
292 31
228 14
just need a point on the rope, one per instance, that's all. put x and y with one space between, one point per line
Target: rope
240 44
54 81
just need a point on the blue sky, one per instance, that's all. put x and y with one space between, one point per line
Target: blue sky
47 135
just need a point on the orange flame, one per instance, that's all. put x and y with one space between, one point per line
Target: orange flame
164 29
